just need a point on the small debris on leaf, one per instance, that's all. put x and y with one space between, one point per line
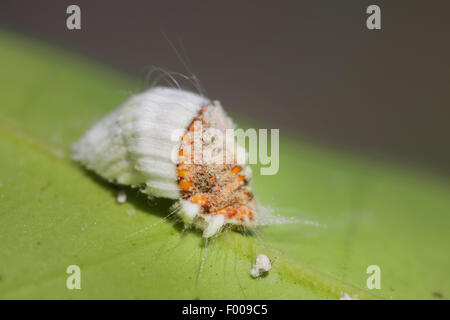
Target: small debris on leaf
346 296
261 266
121 197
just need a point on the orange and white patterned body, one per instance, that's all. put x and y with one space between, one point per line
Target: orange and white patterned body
159 141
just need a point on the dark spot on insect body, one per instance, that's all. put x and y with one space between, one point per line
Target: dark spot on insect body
206 208
249 195
438 294
185 194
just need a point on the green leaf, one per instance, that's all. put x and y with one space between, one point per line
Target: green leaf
54 214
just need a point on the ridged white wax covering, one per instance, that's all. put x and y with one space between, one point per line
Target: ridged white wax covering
133 145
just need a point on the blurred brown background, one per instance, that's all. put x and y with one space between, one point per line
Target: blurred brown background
310 68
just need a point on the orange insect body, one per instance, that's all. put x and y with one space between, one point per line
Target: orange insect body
218 189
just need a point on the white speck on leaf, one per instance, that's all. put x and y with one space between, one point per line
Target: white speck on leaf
261 266
121 197
346 296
